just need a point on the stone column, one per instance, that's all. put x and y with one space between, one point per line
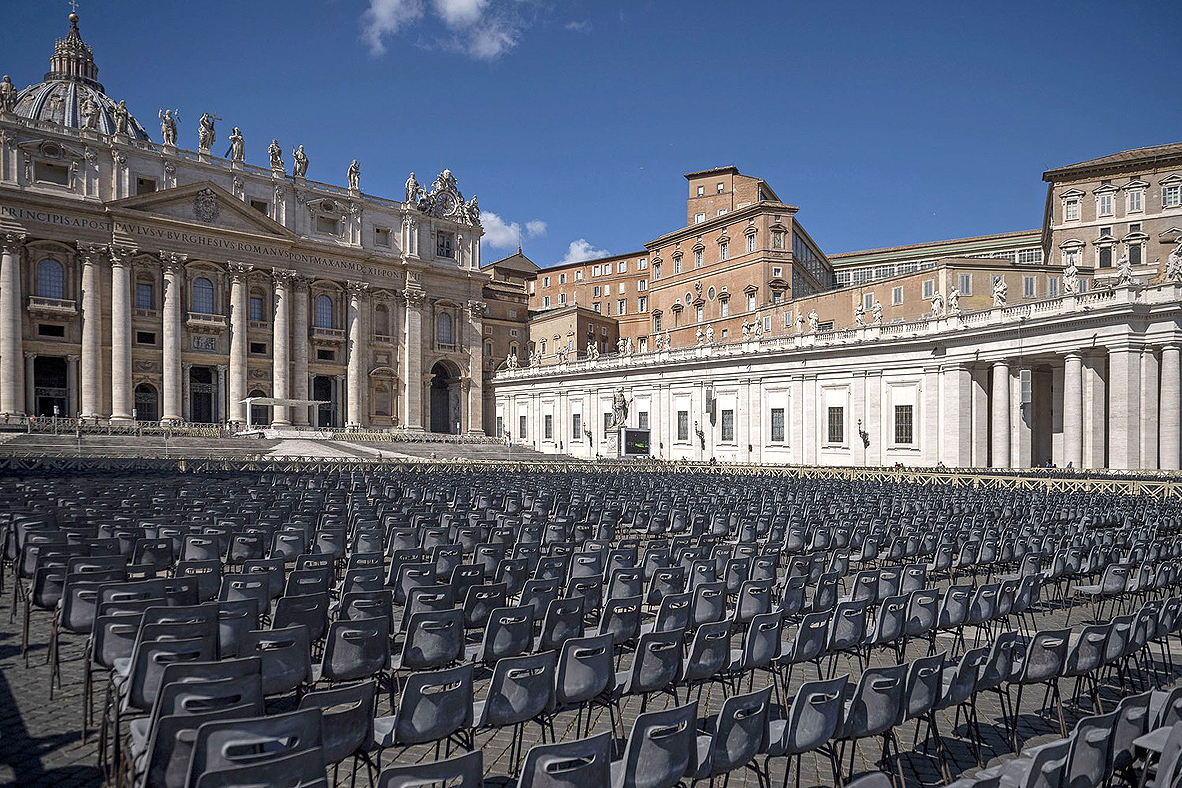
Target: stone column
412 362
1124 406
299 349
1073 410
339 387
356 349
12 395
928 431
1001 415
979 377
174 329
958 417
1169 440
239 324
280 347
1095 411
30 392
475 345
122 397
92 333
1148 408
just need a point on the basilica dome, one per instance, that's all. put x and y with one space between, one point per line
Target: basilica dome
62 96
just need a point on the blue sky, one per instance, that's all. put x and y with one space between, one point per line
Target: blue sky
574 122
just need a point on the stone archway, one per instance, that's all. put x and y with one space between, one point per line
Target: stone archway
445 399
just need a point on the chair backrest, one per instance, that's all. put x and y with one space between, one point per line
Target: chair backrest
621 618
709 652
170 743
434 638
812 636
847 629
923 611
356 650
1087 653
585 669
761 641
815 716
1132 722
509 632
740 730
661 748
924 686
674 612
876 703
285 653
434 705
1046 655
570 764
150 657
460 771
520 689
302 769
657 662
1091 751
346 718
245 742
563 620
709 603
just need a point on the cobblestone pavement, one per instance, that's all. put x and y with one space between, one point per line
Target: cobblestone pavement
41 743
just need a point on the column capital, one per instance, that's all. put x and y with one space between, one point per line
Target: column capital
238 270
356 289
90 251
12 242
301 281
73 358
415 297
223 368
475 310
120 256
30 354
283 276
174 262
1076 354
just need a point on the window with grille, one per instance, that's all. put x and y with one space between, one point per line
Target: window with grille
51 279
323 311
904 430
642 419
777 425
683 425
836 431
728 426
576 426
548 427
256 308
521 427
202 296
145 296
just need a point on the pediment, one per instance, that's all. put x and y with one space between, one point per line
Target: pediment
203 204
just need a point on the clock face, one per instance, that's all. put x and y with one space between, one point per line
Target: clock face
447 203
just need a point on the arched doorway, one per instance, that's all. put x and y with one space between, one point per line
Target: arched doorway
50 386
147 403
324 390
201 395
260 415
445 400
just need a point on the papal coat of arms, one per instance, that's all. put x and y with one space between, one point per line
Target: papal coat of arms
205 205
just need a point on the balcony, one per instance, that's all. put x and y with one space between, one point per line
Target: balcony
328 334
446 347
385 339
52 306
259 324
202 320
149 314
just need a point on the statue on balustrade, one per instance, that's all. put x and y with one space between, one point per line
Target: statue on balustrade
90 113
122 117
1000 291
237 150
413 190
876 311
206 133
699 337
1124 272
937 304
746 331
709 335
1070 277
619 409
276 154
814 321
954 301
511 362
1174 264
7 94
168 120
300 162
860 314
354 176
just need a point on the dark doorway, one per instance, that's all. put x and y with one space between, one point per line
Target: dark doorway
147 403
445 412
49 386
201 395
326 412
260 415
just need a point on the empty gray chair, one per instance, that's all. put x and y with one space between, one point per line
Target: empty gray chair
347 715
1042 663
737 734
303 769
655 667
581 763
460 771
509 632
661 749
563 620
585 676
709 654
435 706
812 636
286 655
621 619
434 639
813 720
875 708
1089 758
521 689
246 742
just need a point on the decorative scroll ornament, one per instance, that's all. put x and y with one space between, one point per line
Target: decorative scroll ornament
445 200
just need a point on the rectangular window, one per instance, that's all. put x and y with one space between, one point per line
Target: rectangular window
903 424
325 355
897 295
545 281
381 236
751 302
1171 196
777 425
965 284
1028 288
500 426
751 242
1105 256
1104 205
596 291
767 323
258 348
445 245
548 427
1106 232
597 307
700 313
521 427
929 287
1030 256
701 191
657 322
836 431
728 426
594 270
642 285
656 270
621 288
145 338
562 298
683 425
1135 253
868 301
1136 201
724 250
622 267
47 172
579 275
145 185
576 426
562 279
1071 210
144 296
721 187
622 306
698 258
699 218
546 302
642 304
642 419
256 308
260 206
50 330
777 239
642 264
607 423
1135 227
1083 285
724 307
1052 287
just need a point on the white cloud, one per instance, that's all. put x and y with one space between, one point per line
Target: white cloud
500 234
386 17
581 250
579 26
481 29
458 13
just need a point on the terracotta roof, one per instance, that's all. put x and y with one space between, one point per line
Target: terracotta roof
729 168
932 244
1171 150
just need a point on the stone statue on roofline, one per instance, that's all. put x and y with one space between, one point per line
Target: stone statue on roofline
206 133
90 113
511 362
668 341
237 150
699 338
746 331
354 176
1174 264
122 117
7 94
1124 272
709 335
937 304
413 190
814 321
1070 278
876 311
168 121
954 301
1000 291
860 314
276 155
300 162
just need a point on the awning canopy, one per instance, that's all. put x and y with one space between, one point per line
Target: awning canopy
284 402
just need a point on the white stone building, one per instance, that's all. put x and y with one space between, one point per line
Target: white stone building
147 279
